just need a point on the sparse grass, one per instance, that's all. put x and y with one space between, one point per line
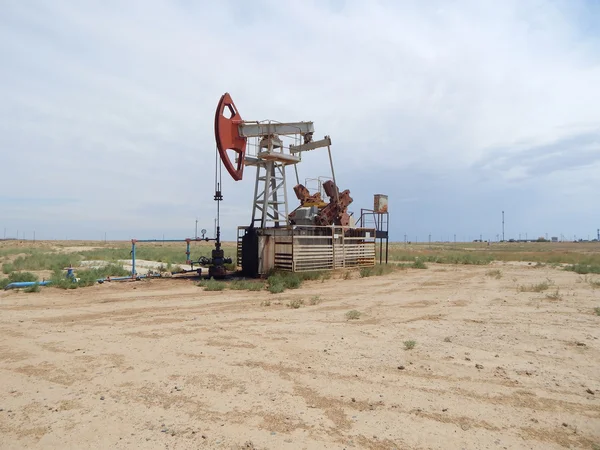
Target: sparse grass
46 259
418 264
89 277
212 285
584 268
539 287
480 253
353 315
265 303
597 310
314 300
280 281
447 339
8 268
86 277
409 345
39 260
348 275
595 283
442 257
296 303
494 273
376 270
556 295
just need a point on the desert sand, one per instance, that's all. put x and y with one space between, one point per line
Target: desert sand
164 364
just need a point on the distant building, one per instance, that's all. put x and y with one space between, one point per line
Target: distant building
554 239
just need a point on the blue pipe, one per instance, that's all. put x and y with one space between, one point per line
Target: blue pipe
176 240
133 241
24 284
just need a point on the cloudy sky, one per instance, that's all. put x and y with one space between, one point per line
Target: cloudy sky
455 109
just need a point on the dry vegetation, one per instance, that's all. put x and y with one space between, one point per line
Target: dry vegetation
448 347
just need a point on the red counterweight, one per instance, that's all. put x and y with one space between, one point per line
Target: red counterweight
227 135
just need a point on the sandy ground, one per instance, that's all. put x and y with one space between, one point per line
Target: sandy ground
163 364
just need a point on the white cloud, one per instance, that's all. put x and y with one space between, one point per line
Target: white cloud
112 103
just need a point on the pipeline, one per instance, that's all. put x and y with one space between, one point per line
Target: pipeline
24 284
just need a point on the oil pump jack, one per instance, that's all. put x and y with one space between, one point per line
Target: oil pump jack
272 224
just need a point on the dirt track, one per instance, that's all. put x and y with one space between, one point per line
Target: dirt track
162 364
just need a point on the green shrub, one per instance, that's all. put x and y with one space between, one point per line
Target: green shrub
276 285
296 303
556 295
409 345
495 273
419 264
584 268
314 300
280 281
8 268
22 276
353 314
33 288
45 261
539 287
212 285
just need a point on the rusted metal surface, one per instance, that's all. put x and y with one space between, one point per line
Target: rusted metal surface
380 203
228 138
305 197
336 212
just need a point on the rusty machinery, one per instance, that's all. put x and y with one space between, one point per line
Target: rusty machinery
272 156
270 197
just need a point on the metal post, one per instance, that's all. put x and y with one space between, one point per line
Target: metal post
133 273
187 252
267 194
503 225
285 199
333 173
196 235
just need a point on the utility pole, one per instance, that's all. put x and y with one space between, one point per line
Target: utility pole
525 236
430 239
196 235
503 225
481 238
4 232
455 238
404 239
34 236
